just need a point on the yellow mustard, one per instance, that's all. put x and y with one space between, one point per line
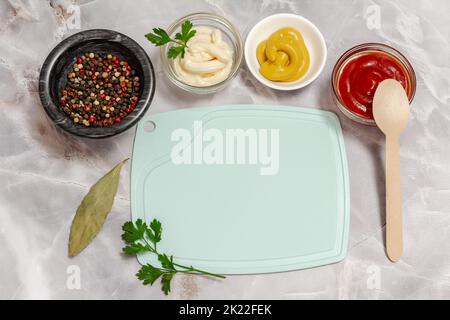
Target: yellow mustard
283 57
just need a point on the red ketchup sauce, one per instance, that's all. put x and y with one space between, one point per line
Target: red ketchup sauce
361 75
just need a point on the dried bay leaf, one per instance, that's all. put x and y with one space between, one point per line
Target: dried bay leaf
93 210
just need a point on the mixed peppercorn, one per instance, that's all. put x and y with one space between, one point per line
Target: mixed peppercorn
101 90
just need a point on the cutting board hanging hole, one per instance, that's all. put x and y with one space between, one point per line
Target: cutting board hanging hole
149 126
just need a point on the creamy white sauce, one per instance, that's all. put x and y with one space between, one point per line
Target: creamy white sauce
207 60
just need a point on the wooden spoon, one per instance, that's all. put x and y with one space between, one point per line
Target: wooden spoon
391 113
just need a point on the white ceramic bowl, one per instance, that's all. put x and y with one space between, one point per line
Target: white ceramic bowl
313 39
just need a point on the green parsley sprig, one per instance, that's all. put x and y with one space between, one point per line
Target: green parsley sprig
160 37
140 238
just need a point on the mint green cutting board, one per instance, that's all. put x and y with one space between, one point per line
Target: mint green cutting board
229 218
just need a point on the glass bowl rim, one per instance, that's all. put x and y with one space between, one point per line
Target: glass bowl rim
237 42
370 46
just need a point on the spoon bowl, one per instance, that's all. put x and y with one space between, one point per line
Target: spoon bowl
391 107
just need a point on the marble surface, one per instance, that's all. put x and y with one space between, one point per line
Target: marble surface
44 173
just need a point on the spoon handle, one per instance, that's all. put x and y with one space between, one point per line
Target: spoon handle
394 219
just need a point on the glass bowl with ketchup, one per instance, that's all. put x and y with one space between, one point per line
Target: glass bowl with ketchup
360 70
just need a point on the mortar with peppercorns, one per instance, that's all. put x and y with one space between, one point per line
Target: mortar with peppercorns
97 83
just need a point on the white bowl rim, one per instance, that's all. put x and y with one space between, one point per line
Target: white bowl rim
298 84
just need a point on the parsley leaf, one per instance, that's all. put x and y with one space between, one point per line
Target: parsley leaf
186 32
135 248
160 37
166 262
156 227
139 238
133 231
186 28
175 52
149 274
165 282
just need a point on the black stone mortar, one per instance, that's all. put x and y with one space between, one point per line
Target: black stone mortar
53 78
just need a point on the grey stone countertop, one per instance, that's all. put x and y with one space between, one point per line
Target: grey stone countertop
44 172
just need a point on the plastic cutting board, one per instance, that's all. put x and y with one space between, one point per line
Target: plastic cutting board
231 219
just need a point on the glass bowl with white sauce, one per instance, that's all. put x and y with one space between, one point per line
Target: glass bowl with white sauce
212 58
